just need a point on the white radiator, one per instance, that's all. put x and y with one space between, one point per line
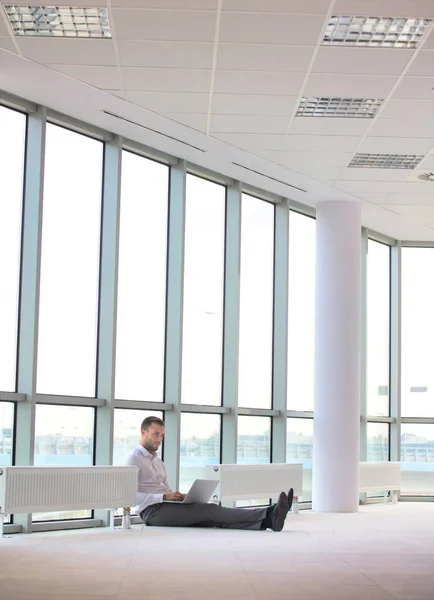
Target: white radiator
43 489
249 482
380 477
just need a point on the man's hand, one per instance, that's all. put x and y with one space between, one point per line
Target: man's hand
174 496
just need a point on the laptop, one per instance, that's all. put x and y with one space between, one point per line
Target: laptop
201 491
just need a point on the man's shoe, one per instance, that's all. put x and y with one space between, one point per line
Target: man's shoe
290 497
279 513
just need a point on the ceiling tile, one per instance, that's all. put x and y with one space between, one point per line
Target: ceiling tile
369 61
415 87
64 51
413 210
170 101
104 78
359 174
429 44
166 54
377 187
194 121
282 6
427 163
4 32
257 82
260 57
412 188
423 64
386 8
251 141
168 4
248 124
7 44
395 127
350 86
407 198
321 173
320 143
408 109
249 104
394 145
326 126
176 80
318 159
170 25
373 197
270 28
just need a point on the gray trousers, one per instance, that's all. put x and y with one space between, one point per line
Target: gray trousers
177 514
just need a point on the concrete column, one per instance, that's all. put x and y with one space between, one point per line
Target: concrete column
337 357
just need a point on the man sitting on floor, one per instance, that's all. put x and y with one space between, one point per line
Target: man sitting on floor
154 490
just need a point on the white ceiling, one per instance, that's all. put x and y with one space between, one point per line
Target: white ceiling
233 71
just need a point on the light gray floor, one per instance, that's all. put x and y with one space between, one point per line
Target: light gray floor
381 553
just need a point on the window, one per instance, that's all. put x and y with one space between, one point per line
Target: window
127 432
378 442
141 313
299 449
301 312
417 459
203 292
417 353
68 308
13 128
6 433
378 328
256 303
200 446
254 435
64 436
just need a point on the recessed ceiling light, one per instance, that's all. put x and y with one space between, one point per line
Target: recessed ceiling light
359 108
59 21
389 32
386 161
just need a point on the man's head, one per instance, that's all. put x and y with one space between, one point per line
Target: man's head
152 434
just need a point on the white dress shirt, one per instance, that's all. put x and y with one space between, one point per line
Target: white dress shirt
152 481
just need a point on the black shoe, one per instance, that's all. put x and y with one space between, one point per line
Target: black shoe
290 497
279 513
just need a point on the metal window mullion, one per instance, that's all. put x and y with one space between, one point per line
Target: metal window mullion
174 308
29 295
395 351
231 323
364 349
105 376
280 331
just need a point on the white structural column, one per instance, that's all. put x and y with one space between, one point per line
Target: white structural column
337 357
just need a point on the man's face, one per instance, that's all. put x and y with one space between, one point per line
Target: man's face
153 437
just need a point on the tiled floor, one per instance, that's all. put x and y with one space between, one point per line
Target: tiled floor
381 553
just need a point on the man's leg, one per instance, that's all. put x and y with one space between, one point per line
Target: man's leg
170 514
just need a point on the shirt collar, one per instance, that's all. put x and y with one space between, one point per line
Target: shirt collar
146 453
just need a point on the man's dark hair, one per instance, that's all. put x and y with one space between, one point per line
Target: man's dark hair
146 423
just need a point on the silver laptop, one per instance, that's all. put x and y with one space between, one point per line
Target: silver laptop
201 491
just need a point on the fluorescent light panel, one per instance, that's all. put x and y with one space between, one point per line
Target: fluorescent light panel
359 108
59 21
386 161
389 32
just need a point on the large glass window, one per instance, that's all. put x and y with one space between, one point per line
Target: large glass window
64 436
200 446
142 279
203 292
12 128
254 440
68 309
6 433
378 328
301 312
256 303
378 442
417 350
417 459
299 449
127 432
